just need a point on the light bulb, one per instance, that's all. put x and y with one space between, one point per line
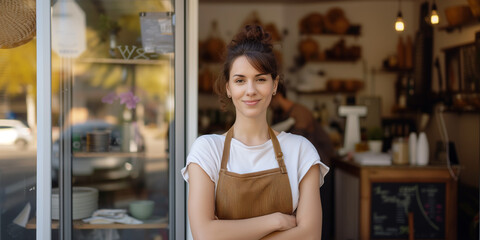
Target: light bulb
434 17
399 25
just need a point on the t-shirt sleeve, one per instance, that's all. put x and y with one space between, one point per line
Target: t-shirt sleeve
202 153
309 157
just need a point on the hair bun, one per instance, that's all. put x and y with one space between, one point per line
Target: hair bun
253 33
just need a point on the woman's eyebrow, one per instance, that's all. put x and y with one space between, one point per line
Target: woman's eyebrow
240 75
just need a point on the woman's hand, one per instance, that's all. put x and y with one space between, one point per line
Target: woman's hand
285 221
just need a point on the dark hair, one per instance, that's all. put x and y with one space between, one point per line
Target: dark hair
253 43
281 89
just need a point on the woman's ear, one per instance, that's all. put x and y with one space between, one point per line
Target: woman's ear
227 87
275 83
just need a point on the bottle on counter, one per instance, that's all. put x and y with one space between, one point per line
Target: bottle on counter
422 149
412 148
400 151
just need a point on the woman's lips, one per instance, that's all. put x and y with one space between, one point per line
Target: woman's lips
252 102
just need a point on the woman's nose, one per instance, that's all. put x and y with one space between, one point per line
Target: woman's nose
251 88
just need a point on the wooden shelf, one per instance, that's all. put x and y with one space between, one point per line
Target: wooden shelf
350 32
122 61
79 224
462 110
108 154
325 92
335 61
330 35
459 27
396 70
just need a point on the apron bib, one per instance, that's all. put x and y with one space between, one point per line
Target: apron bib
241 196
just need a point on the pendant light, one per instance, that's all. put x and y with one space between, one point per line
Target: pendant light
399 24
434 15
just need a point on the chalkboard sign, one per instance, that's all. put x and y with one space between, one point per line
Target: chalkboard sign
391 203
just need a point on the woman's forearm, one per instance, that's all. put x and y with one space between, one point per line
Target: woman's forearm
252 228
309 211
298 232
204 225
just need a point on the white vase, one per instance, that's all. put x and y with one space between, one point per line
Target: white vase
412 148
375 145
422 149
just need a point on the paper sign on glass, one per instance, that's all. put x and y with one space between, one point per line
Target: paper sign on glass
157 31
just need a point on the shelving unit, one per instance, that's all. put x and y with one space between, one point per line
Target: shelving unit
79 224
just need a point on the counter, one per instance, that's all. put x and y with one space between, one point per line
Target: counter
374 202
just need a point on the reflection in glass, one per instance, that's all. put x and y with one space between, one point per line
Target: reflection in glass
17 141
113 117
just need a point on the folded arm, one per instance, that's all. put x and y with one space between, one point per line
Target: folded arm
309 210
204 225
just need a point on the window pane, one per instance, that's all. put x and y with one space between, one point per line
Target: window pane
113 61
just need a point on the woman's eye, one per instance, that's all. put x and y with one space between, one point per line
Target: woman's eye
239 80
262 79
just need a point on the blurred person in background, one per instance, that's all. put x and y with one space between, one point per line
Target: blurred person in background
297 119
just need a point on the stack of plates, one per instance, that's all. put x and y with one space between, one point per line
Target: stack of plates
98 141
84 202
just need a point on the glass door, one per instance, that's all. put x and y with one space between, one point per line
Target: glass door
18 125
117 142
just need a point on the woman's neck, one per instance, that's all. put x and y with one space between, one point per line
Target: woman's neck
251 132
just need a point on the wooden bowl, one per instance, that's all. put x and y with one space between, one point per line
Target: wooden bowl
312 24
459 14
308 49
334 85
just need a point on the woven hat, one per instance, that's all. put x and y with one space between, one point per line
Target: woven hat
17 22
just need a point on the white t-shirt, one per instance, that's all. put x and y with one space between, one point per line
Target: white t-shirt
298 153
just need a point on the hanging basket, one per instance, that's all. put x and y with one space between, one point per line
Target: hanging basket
17 22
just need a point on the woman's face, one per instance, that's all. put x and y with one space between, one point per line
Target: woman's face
251 91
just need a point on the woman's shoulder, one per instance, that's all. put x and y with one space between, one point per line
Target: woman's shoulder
299 141
212 140
210 137
291 137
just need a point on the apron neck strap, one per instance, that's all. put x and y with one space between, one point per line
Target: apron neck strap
276 148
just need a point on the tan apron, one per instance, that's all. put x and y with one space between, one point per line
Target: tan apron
254 194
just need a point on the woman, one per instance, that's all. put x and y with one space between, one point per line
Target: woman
252 182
